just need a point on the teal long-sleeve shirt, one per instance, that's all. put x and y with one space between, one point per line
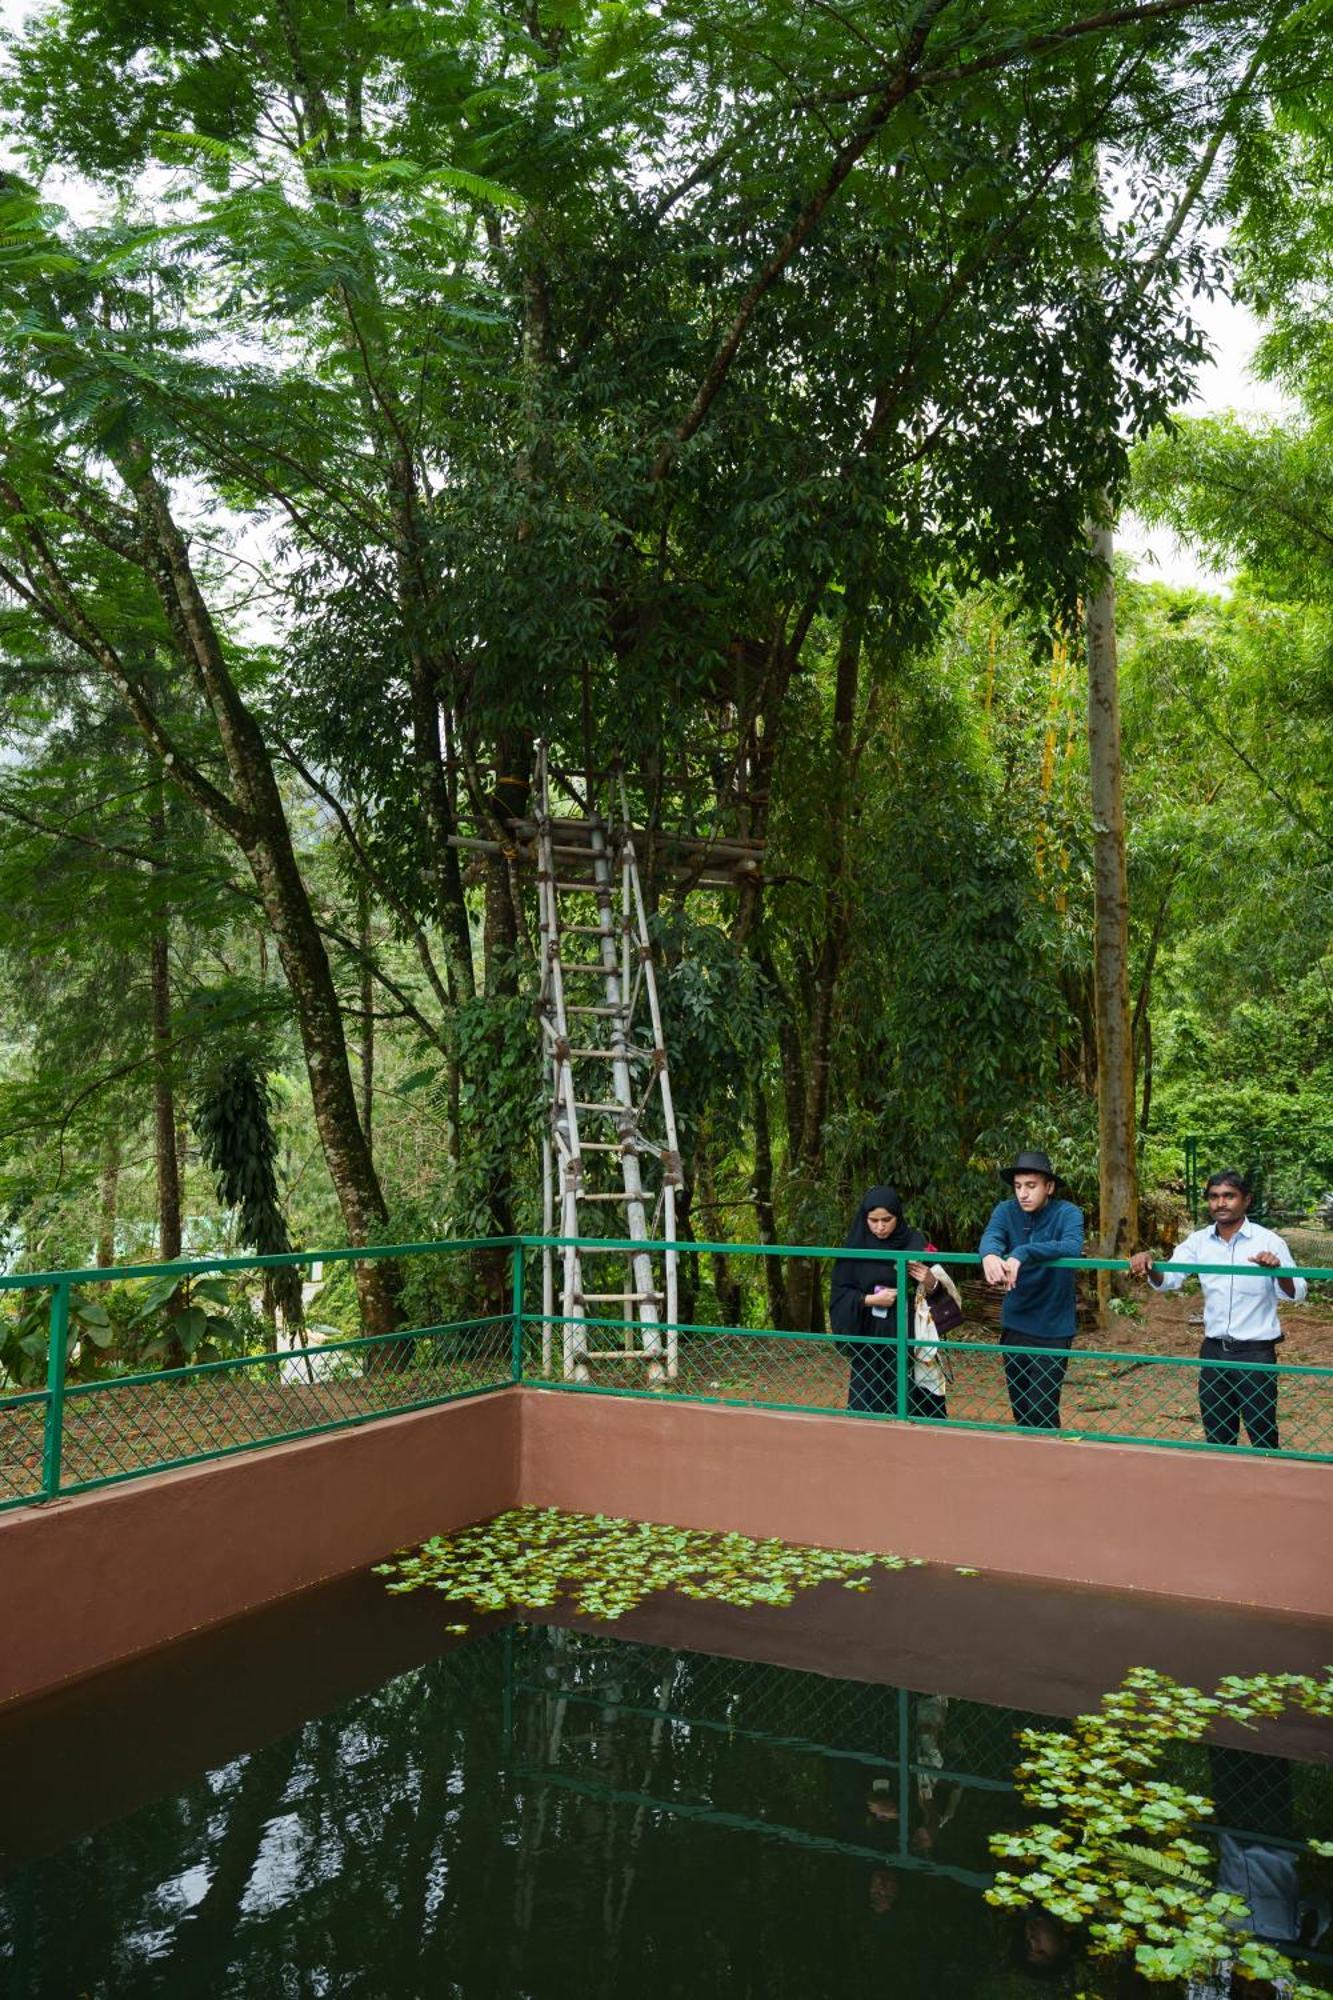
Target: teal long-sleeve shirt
1040 1308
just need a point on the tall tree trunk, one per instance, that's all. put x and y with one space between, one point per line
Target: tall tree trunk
107 1192
725 1282
509 800
1117 1154
367 1035
775 1277
337 1120
437 812
755 767
805 1280
182 1155
164 1096
255 818
1118 1195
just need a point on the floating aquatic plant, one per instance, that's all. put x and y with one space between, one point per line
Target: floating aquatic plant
532 1558
1118 1858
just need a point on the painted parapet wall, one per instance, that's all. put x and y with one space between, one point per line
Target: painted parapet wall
1238 1529
105 1576
99 1578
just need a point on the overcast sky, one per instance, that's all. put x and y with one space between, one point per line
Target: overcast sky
1225 384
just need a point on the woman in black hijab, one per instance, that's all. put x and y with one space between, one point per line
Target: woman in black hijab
863 1301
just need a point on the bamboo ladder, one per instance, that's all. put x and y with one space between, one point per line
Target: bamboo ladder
608 1093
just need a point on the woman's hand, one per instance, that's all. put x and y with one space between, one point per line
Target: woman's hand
920 1275
883 1295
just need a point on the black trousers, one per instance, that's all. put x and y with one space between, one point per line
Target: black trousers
1034 1382
1230 1397
872 1386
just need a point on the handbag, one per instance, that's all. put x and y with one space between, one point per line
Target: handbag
945 1311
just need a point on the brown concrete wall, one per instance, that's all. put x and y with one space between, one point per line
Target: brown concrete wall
1125 1517
101 1577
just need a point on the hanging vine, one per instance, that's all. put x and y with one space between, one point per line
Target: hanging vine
236 1138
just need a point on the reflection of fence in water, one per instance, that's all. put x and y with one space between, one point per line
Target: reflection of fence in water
658 1731
585 1695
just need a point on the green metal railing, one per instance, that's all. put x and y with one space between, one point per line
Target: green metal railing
73 1435
1118 1395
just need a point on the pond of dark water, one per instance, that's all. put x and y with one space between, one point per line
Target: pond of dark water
338 1798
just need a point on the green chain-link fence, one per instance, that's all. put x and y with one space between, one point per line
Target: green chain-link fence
93 1422
1115 1390
96 1422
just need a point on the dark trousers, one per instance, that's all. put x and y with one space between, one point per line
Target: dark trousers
872 1386
1230 1397
1034 1382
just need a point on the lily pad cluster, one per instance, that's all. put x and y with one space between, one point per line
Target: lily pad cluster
1119 1858
532 1558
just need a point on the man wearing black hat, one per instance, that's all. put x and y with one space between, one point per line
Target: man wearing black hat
1018 1245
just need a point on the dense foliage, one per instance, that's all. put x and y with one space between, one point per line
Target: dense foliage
722 391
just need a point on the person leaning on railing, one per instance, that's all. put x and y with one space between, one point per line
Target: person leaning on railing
1017 1247
1240 1308
863 1300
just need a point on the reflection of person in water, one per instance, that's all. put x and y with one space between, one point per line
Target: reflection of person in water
882 1891
864 1790
932 1800
1036 1949
1257 1856
868 1794
936 1798
865 1802
1047 1944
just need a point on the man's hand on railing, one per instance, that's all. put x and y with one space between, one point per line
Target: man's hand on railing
1272 1262
1140 1263
1001 1271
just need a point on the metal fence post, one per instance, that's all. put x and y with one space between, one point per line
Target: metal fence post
57 1355
516 1336
905 1747
900 1344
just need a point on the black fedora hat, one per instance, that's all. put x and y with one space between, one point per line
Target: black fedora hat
1030 1163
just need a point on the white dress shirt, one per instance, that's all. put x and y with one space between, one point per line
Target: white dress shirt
1242 1306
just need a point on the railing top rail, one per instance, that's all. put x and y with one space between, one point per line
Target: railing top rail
275 1261
878 1255
344 1254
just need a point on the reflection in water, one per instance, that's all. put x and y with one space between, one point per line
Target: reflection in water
545 1812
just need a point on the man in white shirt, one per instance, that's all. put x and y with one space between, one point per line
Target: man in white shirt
1240 1322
